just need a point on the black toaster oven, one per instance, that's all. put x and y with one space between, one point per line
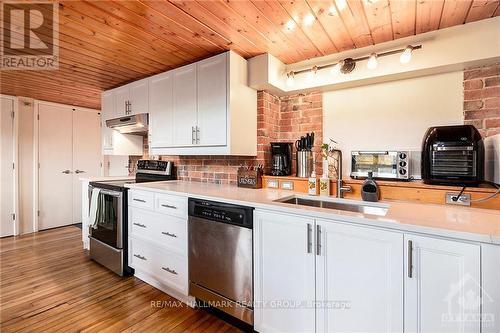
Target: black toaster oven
453 155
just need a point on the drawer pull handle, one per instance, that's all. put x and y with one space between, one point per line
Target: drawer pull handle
169 234
171 271
169 206
140 225
139 200
140 257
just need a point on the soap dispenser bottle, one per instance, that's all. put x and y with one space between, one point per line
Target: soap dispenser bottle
370 190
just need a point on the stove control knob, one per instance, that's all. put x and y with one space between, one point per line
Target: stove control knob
402 164
402 156
402 172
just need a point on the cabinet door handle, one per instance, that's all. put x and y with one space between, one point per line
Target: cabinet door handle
169 206
197 135
309 242
140 257
318 240
139 200
140 225
171 271
193 135
410 259
169 234
79 171
67 172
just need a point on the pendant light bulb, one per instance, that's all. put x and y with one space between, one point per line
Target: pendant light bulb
406 55
372 61
290 79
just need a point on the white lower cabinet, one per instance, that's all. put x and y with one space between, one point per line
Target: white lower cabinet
283 273
313 275
359 279
158 241
442 286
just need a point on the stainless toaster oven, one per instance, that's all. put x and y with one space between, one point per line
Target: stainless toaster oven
384 164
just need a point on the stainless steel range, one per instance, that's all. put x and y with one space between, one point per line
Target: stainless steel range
220 256
109 214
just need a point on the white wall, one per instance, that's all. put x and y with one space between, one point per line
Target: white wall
391 115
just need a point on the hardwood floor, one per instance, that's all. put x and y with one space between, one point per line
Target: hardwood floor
47 284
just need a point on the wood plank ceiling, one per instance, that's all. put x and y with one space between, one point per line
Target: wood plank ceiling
104 44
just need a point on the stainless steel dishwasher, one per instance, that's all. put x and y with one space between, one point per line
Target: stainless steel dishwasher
220 256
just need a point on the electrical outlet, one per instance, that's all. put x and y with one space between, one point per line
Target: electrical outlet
463 200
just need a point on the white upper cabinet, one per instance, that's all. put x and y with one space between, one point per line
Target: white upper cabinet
214 112
442 286
107 105
161 110
359 279
184 106
139 99
122 100
126 100
283 272
212 101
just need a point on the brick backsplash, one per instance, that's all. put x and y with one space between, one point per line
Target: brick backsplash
482 98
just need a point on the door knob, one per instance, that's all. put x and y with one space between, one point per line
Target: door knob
66 171
79 171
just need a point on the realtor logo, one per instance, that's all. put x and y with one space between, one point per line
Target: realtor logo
30 35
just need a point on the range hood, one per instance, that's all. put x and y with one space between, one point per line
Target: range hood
137 123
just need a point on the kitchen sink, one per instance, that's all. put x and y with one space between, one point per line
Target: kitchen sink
351 206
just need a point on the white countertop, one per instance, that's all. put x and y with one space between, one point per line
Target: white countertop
473 224
105 178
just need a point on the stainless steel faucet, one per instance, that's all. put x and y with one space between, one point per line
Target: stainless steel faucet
340 188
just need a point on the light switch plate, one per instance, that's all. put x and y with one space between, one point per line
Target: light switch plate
287 185
272 183
464 199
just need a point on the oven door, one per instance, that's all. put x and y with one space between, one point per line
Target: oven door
383 164
109 226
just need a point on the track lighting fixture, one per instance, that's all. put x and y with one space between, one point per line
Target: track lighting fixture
347 65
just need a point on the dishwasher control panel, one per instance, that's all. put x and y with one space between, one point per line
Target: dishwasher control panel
221 212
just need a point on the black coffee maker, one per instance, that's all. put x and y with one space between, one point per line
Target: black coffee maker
281 160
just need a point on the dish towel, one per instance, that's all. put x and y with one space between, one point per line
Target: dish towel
94 204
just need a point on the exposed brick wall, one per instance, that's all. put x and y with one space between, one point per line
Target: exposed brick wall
482 98
301 114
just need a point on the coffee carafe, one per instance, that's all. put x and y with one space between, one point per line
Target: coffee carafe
281 158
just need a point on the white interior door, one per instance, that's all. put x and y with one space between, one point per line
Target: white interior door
86 153
7 203
55 180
